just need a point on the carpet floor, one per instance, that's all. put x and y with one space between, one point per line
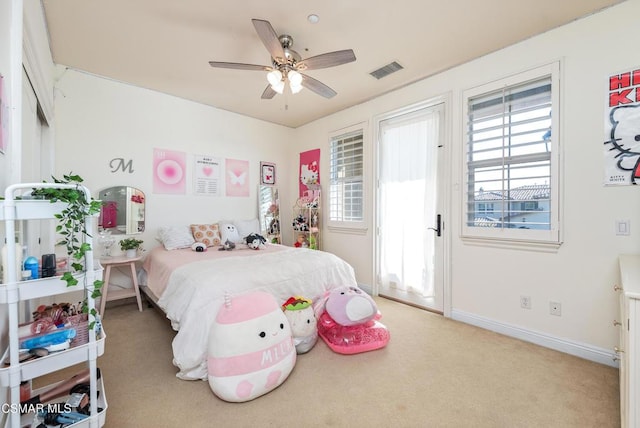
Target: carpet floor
435 372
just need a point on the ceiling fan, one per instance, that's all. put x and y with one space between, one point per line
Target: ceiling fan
287 64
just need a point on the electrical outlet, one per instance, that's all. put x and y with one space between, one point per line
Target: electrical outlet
555 308
525 302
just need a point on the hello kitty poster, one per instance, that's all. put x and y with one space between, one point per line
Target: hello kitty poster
622 129
309 172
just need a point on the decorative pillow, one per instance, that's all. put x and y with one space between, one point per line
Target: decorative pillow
175 237
250 347
208 234
247 227
229 233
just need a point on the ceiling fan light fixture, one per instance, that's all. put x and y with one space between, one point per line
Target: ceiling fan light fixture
274 77
278 87
295 78
295 81
295 88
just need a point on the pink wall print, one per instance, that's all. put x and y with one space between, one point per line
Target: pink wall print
309 172
237 177
169 172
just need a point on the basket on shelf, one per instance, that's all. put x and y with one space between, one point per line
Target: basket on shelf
81 323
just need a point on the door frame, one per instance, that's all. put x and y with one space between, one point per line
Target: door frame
445 176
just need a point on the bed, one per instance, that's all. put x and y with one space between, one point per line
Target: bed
189 287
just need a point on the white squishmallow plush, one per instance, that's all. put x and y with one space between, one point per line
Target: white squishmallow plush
303 322
251 349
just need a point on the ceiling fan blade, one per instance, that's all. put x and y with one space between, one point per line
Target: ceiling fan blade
318 87
239 66
268 93
269 37
326 60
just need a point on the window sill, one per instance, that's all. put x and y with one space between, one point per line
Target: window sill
542 247
353 230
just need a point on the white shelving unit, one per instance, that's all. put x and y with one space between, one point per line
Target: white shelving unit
14 292
306 223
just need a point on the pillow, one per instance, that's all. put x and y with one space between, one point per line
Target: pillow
229 233
247 227
208 234
175 237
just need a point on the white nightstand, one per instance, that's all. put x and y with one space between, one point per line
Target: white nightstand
121 293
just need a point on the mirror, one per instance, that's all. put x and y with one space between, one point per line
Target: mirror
122 210
269 213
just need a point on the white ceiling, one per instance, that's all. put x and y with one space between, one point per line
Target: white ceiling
165 45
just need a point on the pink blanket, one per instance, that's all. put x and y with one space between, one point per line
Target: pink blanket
160 263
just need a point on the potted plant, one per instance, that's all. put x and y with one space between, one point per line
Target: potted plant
72 228
130 246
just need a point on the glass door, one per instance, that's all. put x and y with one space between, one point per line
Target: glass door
409 265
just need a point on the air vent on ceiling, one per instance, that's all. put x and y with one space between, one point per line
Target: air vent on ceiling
386 70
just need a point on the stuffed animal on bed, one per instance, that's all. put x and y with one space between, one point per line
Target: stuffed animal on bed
251 348
199 247
349 322
227 246
255 241
303 322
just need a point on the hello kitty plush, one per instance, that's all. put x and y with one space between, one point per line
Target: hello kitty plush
251 348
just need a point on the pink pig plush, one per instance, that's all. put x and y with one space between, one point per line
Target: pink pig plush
251 349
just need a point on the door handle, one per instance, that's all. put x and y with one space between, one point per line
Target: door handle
438 227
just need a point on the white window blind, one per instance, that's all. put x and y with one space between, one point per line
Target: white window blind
510 171
346 178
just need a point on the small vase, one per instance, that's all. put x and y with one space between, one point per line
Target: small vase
131 253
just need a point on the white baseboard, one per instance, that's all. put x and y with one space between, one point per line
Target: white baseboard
582 350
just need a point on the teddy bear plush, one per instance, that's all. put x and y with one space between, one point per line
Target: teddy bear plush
303 322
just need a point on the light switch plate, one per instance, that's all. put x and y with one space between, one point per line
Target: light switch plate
623 227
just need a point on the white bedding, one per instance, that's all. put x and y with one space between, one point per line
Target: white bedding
195 291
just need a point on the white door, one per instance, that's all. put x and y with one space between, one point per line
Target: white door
410 222
36 166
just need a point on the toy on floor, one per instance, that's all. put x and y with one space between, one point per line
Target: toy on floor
303 322
349 322
251 348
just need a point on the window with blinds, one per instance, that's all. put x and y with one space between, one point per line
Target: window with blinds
346 177
511 162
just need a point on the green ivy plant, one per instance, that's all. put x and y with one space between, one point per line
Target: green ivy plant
72 227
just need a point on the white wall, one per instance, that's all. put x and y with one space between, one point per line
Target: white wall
486 283
98 120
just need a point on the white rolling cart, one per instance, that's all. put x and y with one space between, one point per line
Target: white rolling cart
14 292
